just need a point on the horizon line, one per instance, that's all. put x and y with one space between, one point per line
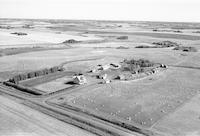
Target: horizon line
104 20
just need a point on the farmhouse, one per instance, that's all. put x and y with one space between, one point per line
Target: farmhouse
79 80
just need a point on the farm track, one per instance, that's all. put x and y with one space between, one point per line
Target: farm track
15 93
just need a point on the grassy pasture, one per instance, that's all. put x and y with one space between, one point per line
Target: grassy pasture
138 103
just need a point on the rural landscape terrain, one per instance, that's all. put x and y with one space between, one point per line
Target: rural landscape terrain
106 78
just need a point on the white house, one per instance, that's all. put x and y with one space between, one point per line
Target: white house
79 79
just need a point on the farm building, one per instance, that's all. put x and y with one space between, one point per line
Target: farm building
79 80
115 66
163 66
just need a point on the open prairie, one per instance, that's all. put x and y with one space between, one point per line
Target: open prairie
107 85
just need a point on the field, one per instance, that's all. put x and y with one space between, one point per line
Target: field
20 120
142 102
55 85
162 102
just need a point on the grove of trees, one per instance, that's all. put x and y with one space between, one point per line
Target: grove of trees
33 74
136 65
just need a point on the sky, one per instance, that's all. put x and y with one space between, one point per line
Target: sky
136 10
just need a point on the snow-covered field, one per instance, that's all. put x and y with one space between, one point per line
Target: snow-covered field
8 40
